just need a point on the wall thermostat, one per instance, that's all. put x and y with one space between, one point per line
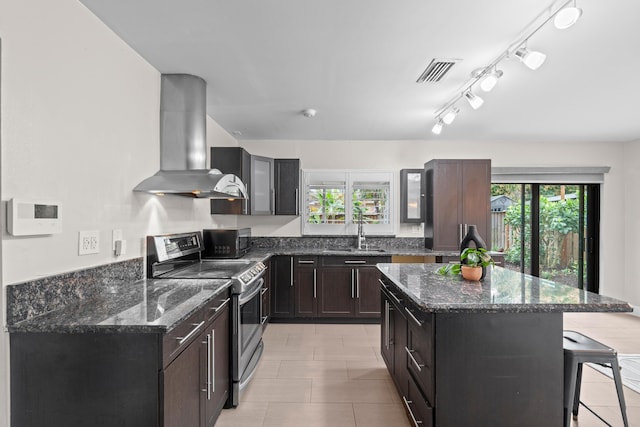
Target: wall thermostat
33 217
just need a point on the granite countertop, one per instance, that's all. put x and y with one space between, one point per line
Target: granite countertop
144 306
502 290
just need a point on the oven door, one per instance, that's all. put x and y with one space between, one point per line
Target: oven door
248 330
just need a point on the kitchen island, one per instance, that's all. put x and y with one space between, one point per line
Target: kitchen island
478 353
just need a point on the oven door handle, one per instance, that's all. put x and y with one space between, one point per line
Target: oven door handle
253 293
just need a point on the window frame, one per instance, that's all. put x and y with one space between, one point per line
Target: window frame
311 177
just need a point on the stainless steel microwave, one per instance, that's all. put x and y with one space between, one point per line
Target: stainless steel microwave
226 242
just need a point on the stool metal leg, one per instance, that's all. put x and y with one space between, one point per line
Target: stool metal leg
618 380
570 376
576 399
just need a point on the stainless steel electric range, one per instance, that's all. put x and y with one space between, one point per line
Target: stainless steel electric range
179 256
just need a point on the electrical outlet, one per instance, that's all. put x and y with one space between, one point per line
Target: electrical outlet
88 242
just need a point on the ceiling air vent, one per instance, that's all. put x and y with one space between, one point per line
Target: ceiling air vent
436 70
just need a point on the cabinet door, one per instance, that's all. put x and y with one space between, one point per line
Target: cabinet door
336 292
401 374
182 386
386 336
287 186
305 287
411 195
476 196
261 197
446 205
282 287
367 292
216 366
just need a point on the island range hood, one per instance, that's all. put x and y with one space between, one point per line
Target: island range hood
183 145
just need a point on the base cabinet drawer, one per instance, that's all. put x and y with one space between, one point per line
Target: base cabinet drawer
419 351
418 409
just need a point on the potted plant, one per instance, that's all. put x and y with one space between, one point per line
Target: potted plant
472 264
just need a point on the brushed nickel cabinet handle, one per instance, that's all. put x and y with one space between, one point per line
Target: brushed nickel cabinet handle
181 340
419 366
416 423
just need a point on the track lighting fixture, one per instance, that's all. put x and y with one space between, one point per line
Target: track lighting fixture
531 58
490 79
474 100
450 115
563 13
567 16
437 128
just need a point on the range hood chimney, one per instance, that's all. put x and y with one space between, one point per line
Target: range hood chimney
183 145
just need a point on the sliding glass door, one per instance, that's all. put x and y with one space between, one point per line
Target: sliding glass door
549 230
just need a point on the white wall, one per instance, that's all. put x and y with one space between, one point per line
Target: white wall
631 208
80 125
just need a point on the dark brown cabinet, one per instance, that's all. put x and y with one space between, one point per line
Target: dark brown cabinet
282 295
308 287
348 287
287 186
182 387
336 291
458 194
305 286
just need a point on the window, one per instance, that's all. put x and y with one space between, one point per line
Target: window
335 200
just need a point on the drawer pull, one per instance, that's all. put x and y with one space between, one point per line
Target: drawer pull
419 323
215 309
181 340
304 261
413 359
263 291
416 423
355 262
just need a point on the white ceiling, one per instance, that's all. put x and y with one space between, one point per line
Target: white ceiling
357 61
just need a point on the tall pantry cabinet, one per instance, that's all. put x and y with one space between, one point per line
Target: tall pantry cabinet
458 194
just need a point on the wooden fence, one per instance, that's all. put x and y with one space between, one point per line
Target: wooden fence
502 237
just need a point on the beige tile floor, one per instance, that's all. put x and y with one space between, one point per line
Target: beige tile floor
333 376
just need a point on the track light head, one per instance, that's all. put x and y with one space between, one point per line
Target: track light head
566 17
474 100
530 58
490 80
450 115
437 128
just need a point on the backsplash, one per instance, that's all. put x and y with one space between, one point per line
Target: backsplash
30 299
336 242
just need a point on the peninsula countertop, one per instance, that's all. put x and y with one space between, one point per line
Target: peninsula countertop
502 290
144 306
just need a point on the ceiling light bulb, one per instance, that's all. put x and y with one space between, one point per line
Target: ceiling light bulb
531 58
567 17
474 100
450 116
437 128
490 80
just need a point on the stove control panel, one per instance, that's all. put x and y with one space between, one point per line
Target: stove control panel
254 271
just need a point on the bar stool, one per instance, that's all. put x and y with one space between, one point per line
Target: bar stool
579 349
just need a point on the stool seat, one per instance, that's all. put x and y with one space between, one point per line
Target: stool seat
579 349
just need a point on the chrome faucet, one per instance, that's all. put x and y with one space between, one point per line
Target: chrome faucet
361 238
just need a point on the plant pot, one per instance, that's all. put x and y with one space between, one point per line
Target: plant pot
471 273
